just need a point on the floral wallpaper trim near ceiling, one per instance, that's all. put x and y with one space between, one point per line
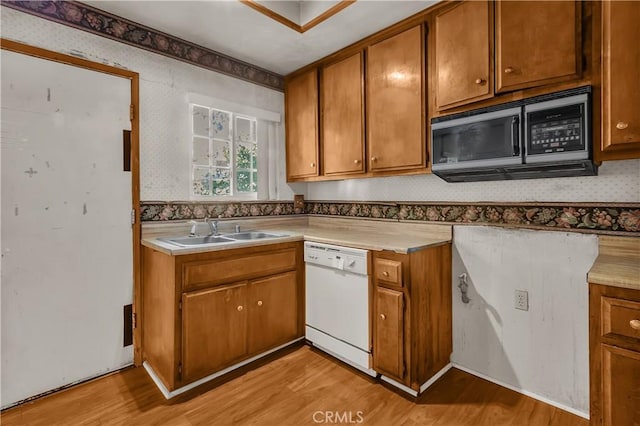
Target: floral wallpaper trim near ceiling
618 219
88 18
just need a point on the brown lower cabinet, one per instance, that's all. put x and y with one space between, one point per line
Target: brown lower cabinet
205 312
412 337
614 341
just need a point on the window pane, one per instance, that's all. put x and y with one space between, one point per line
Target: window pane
221 182
201 151
246 156
200 121
245 130
220 124
201 181
221 153
254 158
243 181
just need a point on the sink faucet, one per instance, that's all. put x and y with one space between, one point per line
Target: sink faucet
194 227
213 226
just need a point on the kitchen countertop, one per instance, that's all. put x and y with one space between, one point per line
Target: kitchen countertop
364 234
618 263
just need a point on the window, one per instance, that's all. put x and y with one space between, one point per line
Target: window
224 152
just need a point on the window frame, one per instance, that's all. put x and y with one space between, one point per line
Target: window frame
234 143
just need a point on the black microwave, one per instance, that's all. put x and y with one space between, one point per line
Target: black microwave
541 137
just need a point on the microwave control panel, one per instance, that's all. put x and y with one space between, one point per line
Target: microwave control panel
556 130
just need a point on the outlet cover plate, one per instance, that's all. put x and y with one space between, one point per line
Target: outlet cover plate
521 300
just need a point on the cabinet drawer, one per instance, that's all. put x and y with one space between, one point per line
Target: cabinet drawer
200 274
620 318
389 271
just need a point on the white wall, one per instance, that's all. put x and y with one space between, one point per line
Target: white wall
164 84
544 351
618 181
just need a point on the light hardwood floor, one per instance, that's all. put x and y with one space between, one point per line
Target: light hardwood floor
288 389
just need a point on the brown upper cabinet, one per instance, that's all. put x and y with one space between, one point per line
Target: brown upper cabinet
395 102
342 98
537 43
620 80
301 110
463 65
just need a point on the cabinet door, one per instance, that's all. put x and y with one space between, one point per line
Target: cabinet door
395 106
273 311
214 330
388 347
301 95
463 54
620 386
620 81
343 117
537 43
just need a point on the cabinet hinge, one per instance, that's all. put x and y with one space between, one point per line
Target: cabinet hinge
131 112
179 306
179 371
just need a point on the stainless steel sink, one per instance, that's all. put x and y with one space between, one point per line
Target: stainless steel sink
197 241
221 239
253 235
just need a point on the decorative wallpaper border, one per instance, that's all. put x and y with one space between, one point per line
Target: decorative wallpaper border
616 219
88 18
611 218
154 211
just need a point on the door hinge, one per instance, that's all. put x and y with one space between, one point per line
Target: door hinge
179 306
133 216
179 371
135 320
131 112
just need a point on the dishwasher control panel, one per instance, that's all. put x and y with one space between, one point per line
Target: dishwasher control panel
336 257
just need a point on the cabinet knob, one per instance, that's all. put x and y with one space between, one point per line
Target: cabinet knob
374 159
385 273
240 308
508 70
479 80
622 125
383 317
259 302
635 324
356 161
312 164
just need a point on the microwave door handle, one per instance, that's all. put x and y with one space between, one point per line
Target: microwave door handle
515 135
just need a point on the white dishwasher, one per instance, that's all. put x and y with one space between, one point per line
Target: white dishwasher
337 302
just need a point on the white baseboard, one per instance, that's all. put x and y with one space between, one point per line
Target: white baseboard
423 387
435 377
170 394
399 385
524 392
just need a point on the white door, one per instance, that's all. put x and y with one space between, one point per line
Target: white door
66 236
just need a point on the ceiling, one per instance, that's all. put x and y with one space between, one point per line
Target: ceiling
232 28
299 12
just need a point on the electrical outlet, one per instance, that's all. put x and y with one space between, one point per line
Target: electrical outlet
522 300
